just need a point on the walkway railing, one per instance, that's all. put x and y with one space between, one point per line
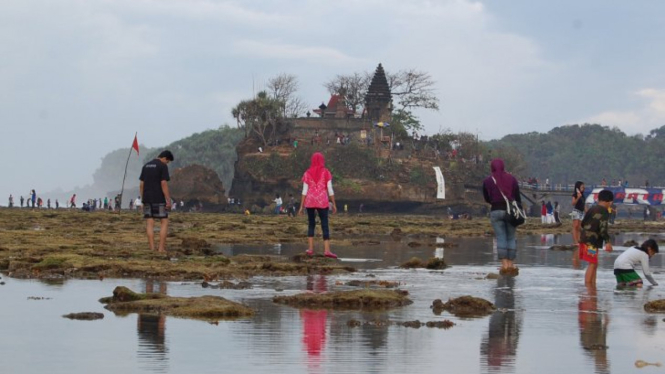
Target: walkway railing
565 187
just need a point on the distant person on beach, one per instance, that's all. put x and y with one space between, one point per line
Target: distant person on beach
137 203
72 201
156 197
22 200
594 233
495 187
57 204
613 213
278 204
33 197
624 265
317 190
291 206
48 203
556 212
578 210
550 212
11 201
543 212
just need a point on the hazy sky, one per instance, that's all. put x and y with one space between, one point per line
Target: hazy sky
79 77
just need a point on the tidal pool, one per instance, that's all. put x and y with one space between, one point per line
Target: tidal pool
547 321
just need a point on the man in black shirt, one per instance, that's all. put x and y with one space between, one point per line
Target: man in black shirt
156 197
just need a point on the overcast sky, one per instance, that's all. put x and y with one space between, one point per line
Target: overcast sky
79 77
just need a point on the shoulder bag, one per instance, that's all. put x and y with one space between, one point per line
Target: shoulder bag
514 213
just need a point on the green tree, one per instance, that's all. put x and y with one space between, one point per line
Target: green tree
214 149
259 117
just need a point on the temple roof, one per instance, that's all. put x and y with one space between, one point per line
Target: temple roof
379 91
334 106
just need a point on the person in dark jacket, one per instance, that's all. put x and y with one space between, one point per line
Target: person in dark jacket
497 183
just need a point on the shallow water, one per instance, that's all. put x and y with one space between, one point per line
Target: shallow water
546 318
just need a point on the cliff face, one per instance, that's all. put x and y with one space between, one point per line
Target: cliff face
196 184
372 175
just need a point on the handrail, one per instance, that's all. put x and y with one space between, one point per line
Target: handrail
566 187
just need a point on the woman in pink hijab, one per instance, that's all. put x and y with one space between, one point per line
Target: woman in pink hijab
316 192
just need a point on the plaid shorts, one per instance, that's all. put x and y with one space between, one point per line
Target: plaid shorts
155 211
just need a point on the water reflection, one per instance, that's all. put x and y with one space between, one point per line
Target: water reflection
152 352
314 326
593 324
499 346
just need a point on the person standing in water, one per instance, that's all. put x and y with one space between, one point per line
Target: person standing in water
495 186
316 192
594 234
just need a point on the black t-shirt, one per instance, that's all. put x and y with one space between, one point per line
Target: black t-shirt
579 205
152 175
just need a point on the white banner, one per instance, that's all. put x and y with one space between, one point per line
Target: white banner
441 183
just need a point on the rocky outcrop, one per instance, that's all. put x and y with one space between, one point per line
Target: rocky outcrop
196 184
372 175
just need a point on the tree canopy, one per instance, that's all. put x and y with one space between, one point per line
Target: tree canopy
589 152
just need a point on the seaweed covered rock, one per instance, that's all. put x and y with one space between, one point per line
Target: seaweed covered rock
373 283
436 263
511 272
349 300
84 316
464 306
433 263
655 306
561 247
226 285
192 245
125 301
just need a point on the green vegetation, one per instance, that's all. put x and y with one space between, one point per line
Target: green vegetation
352 161
214 149
586 152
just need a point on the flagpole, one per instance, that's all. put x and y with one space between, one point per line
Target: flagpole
122 189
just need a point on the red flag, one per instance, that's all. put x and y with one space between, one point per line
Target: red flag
135 145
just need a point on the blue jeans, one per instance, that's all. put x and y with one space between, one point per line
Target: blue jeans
505 235
323 215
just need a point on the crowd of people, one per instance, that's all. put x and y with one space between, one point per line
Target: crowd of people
590 230
501 191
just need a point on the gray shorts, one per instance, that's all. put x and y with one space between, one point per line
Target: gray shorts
577 215
155 211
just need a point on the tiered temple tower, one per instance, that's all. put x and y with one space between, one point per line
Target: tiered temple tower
378 100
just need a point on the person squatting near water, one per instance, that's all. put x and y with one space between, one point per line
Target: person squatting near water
495 187
316 192
624 265
156 198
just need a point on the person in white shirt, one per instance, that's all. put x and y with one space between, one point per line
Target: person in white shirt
278 204
624 266
137 203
